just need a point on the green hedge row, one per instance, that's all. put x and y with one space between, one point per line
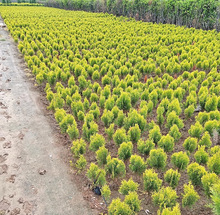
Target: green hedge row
19 4
203 14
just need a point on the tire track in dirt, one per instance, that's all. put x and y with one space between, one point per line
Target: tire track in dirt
33 177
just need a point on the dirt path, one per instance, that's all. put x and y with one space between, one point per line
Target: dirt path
33 177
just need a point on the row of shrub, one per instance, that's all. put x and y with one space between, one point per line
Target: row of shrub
203 14
124 96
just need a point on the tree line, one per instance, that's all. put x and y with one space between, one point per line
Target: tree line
203 14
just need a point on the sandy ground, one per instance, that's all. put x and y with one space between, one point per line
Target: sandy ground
34 179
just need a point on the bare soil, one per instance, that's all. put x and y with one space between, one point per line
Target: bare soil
35 176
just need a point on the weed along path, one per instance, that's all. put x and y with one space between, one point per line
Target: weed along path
34 179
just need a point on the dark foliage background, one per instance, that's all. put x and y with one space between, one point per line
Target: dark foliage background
203 14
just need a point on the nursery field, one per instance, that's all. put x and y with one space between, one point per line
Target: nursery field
139 101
